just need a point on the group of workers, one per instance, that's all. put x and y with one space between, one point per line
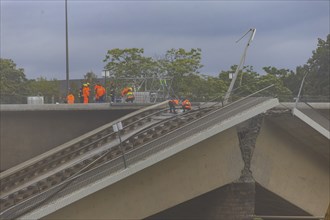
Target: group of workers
127 94
100 94
185 105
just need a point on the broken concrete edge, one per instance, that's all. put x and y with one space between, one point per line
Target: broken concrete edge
176 148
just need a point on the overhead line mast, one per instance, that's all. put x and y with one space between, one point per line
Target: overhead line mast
231 86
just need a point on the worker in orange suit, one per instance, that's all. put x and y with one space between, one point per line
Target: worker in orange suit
86 92
172 103
99 92
186 105
70 98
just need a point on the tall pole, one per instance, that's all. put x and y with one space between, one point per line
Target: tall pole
239 66
300 89
67 47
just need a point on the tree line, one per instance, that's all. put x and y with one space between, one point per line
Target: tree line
182 67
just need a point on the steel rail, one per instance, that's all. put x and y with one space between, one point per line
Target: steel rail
32 204
104 154
68 156
101 139
63 153
153 126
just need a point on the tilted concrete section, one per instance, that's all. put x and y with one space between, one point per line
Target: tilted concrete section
30 130
205 127
281 163
292 167
192 172
305 166
315 120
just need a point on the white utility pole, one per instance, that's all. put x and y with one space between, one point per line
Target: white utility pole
253 32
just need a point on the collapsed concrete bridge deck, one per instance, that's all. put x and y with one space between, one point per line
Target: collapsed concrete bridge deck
262 143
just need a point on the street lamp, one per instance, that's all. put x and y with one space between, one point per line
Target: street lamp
105 73
67 47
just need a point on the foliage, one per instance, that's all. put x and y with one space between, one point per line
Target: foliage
284 80
178 64
90 77
278 90
128 63
183 67
318 70
249 81
12 82
43 87
211 88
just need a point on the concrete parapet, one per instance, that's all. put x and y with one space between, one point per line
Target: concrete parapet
30 130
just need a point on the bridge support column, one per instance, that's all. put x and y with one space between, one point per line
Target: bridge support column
238 203
247 134
241 194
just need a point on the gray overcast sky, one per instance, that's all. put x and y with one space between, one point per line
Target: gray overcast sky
33 32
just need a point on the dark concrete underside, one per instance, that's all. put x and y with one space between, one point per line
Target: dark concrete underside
232 201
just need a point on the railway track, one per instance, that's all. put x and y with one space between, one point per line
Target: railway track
34 184
88 153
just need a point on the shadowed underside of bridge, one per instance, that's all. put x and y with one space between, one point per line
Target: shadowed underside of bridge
221 203
204 181
225 162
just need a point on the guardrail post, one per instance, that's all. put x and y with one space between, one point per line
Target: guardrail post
117 128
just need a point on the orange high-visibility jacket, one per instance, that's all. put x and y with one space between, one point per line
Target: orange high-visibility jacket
124 91
96 87
70 99
86 91
175 101
186 104
100 91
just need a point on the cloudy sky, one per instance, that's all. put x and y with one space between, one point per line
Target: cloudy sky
33 32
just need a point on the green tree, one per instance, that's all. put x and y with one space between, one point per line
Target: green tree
289 82
128 63
49 89
318 71
211 88
13 88
90 77
249 81
129 67
181 65
246 81
279 90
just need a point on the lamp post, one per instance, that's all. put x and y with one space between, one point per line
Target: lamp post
67 47
106 73
300 89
